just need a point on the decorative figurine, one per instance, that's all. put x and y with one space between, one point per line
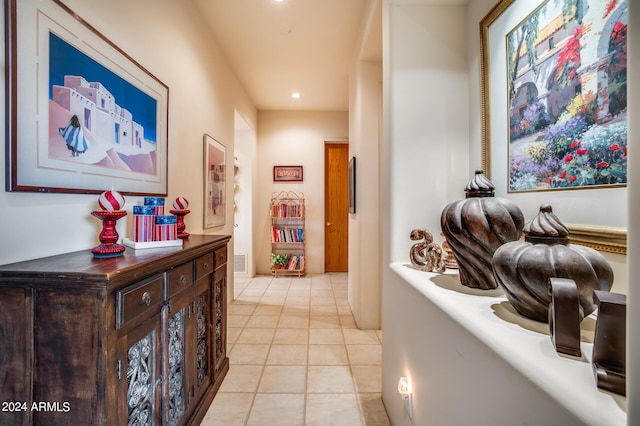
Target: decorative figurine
111 203
180 206
609 345
523 268
564 317
476 226
426 255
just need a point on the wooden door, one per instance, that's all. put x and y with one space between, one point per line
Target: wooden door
336 207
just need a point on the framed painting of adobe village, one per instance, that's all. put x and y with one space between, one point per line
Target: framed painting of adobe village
82 115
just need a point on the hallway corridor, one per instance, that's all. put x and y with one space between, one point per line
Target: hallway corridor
297 358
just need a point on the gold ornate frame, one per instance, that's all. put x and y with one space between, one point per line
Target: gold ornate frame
603 238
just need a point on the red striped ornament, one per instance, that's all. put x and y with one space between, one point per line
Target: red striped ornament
181 203
111 201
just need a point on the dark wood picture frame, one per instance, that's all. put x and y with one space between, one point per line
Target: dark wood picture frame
89 117
352 185
287 174
607 234
215 187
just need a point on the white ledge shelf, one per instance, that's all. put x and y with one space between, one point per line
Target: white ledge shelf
523 343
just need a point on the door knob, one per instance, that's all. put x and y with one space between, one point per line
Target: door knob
329 223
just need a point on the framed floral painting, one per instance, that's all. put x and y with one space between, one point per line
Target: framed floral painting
567 96
554 87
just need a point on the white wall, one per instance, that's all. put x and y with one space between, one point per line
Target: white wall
170 40
428 85
425 165
295 138
365 242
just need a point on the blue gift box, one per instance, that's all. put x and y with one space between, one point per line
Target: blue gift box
153 201
144 210
166 220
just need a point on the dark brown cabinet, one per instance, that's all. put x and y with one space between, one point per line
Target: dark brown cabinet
138 339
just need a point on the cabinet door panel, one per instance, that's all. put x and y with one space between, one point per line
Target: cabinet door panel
15 354
177 395
203 337
140 375
219 315
68 367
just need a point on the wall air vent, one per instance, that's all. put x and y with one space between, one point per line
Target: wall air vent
240 264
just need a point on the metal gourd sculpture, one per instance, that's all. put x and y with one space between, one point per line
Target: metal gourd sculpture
523 268
476 226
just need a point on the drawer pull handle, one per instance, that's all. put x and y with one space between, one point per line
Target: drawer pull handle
183 280
146 299
206 266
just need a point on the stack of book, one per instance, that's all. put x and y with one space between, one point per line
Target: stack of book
286 235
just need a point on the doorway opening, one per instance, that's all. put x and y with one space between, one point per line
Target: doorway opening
243 197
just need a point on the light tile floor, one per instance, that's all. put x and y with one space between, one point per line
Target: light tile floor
297 357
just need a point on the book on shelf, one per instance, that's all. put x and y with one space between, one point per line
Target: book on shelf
296 262
286 210
286 235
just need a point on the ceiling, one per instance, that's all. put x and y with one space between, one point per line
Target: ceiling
305 46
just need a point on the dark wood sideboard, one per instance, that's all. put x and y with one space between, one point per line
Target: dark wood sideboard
137 339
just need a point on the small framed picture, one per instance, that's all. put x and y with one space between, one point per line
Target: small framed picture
214 182
287 173
352 185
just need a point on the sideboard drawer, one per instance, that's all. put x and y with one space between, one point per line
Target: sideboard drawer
138 300
221 256
204 265
179 278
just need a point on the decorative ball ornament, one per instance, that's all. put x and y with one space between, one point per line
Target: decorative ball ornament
111 201
181 203
523 268
476 226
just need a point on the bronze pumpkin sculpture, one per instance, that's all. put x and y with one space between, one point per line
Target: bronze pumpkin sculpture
523 268
476 226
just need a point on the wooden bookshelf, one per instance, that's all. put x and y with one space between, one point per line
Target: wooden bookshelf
288 233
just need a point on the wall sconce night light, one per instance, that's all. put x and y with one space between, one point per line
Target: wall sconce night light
404 389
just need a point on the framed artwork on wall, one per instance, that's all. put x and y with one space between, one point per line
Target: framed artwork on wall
287 174
554 117
214 182
352 184
82 115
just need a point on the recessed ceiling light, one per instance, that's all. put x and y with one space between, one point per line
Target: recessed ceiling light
295 95
279 1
